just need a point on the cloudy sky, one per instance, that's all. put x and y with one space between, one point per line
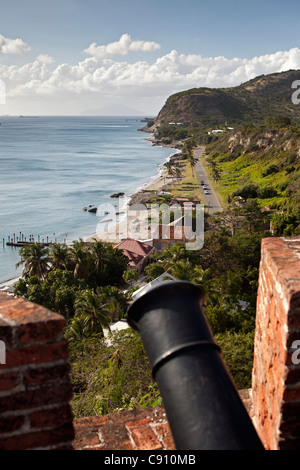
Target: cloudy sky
125 57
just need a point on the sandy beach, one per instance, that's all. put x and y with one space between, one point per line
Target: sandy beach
134 226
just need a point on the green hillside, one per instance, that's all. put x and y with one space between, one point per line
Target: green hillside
261 164
250 101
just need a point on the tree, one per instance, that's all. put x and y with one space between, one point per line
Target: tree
216 173
169 169
192 162
96 313
181 270
59 255
81 260
35 258
98 252
116 299
131 275
178 173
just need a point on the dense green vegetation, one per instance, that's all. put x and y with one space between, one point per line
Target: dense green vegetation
261 163
70 279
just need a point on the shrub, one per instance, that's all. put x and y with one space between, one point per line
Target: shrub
247 191
265 193
271 169
237 351
108 377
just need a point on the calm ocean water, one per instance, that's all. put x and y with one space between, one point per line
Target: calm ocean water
53 167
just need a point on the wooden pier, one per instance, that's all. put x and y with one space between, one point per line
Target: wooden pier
20 244
21 240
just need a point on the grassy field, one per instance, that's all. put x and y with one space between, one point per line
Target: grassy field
187 186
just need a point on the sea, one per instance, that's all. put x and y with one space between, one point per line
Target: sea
51 168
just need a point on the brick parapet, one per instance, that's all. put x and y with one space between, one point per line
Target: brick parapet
35 387
276 376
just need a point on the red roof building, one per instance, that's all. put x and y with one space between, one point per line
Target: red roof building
137 253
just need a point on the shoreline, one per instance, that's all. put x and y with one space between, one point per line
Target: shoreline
120 228
118 231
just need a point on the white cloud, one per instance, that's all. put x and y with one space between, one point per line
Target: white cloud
140 84
45 59
121 47
13 46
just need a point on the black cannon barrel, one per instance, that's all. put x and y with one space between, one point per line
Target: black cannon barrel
203 406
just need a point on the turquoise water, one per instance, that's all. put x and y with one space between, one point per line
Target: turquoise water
53 167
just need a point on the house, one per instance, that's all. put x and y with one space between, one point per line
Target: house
137 253
175 232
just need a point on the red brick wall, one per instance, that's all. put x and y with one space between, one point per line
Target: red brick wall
34 380
276 372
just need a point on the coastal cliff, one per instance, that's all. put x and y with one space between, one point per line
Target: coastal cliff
250 101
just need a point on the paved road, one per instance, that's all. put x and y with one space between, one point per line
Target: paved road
211 201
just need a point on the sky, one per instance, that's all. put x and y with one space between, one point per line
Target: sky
126 57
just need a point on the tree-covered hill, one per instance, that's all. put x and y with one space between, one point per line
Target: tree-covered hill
250 101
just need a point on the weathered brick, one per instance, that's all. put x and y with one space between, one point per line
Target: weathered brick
9 380
86 438
39 439
43 375
93 421
112 433
52 417
124 445
22 312
7 335
37 354
144 438
9 424
140 422
42 396
274 397
127 416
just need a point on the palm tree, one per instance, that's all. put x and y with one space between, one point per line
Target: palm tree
76 330
98 252
212 163
59 255
169 168
115 300
181 270
216 173
175 253
130 275
177 173
95 312
192 162
81 259
202 277
35 258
